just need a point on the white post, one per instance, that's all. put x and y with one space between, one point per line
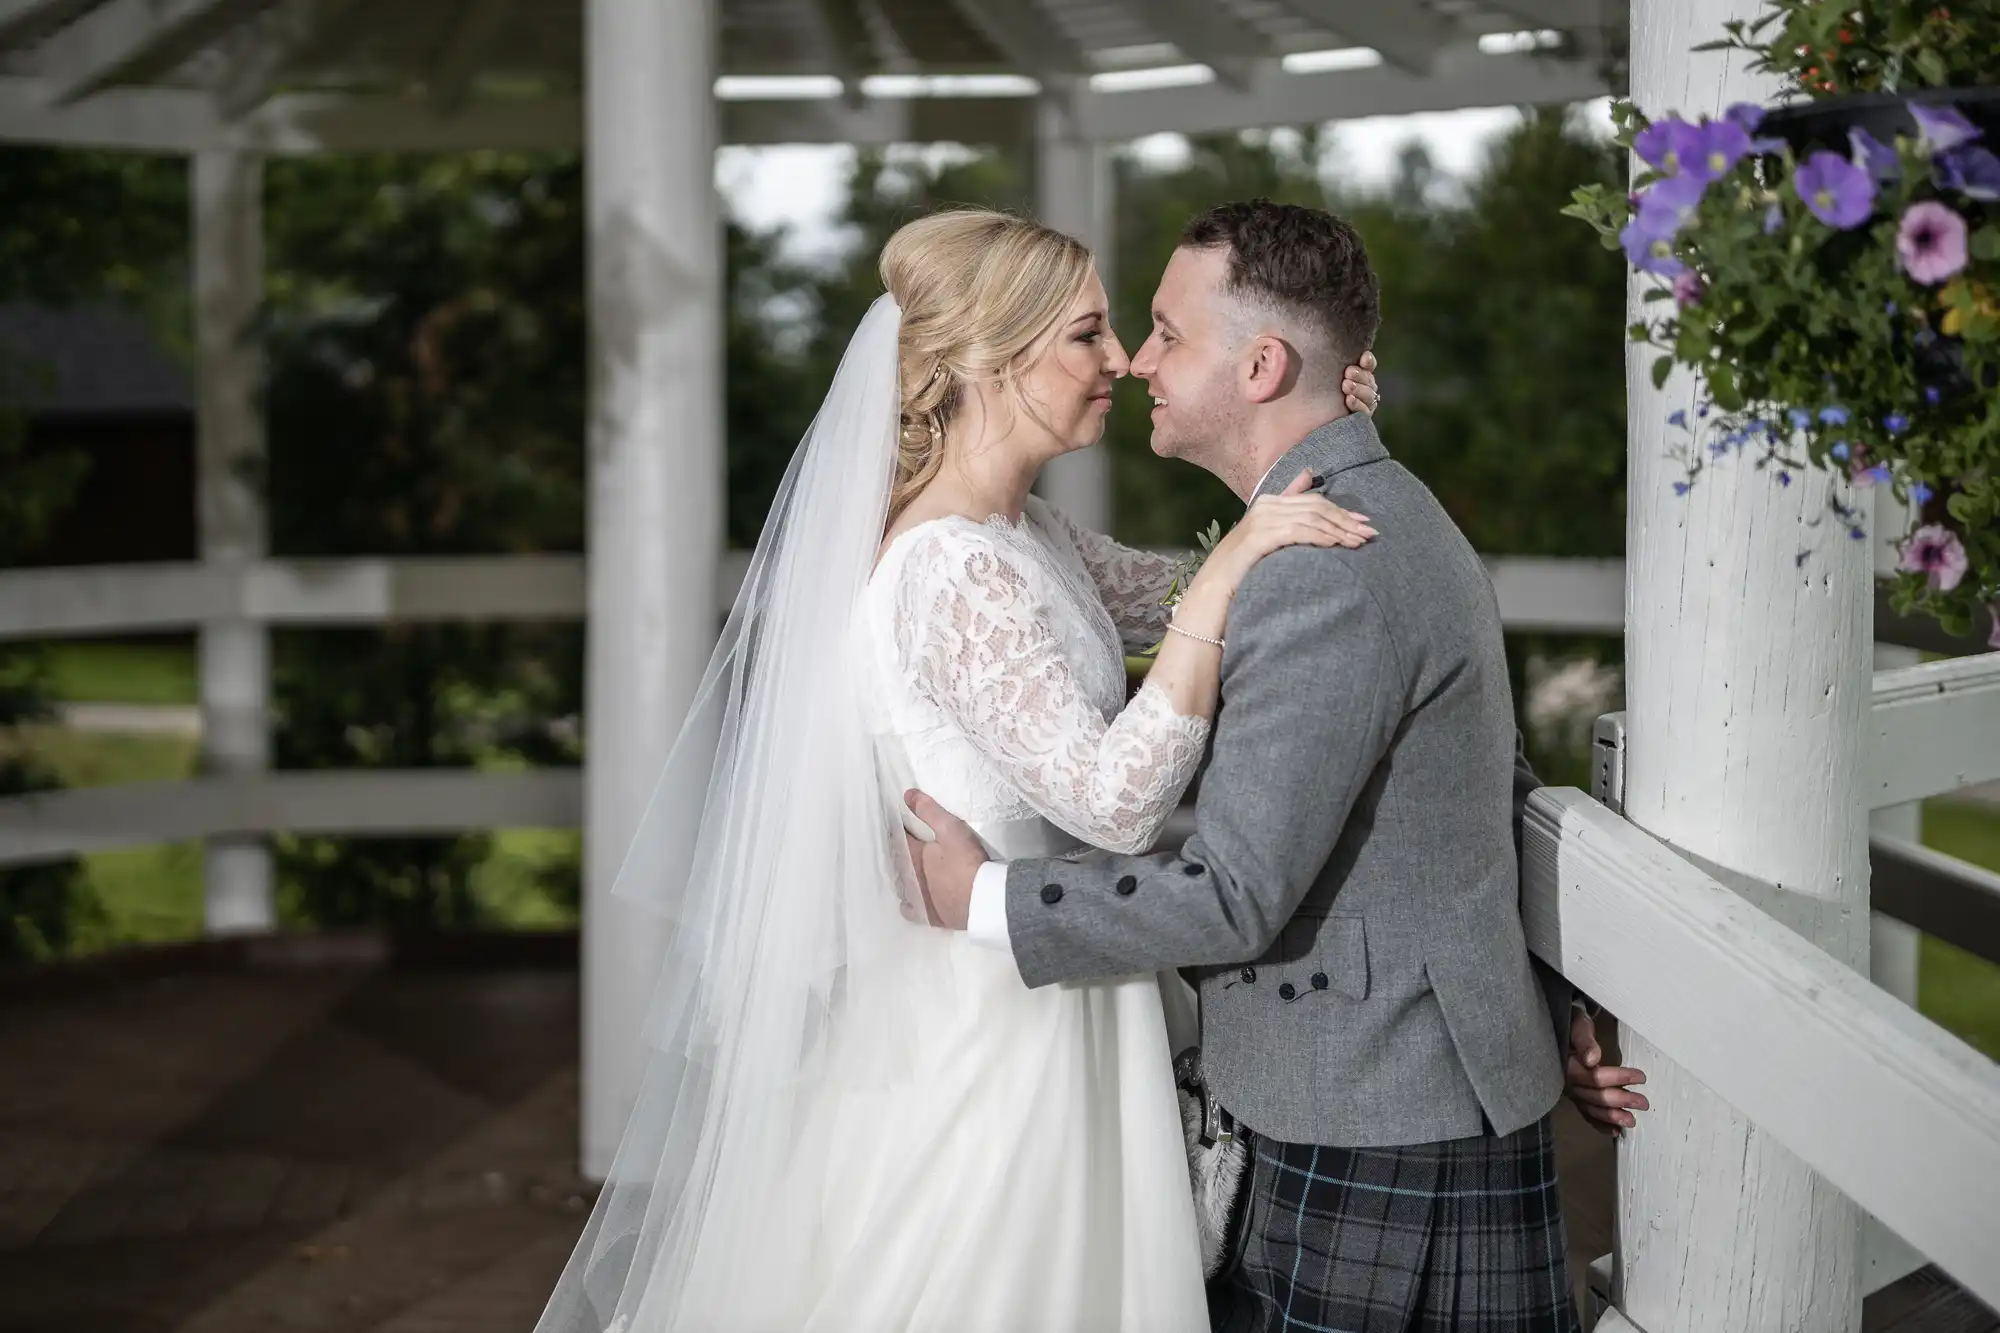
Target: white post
1893 945
1073 194
228 222
1748 689
656 482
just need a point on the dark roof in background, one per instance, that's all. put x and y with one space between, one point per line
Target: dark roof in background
93 361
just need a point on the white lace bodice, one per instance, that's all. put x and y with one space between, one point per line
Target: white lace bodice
997 651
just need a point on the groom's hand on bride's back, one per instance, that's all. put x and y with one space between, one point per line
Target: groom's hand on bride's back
947 863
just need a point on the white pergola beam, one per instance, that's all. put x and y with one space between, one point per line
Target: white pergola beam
25 22
475 30
1406 35
1203 31
259 63
1563 15
1025 36
132 40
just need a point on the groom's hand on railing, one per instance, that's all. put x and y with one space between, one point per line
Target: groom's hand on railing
1602 1092
947 863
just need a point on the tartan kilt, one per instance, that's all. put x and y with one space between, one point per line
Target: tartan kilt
1464 1235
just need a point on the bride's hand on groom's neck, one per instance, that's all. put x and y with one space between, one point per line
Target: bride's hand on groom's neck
947 864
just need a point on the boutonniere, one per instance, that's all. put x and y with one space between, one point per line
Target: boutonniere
1190 565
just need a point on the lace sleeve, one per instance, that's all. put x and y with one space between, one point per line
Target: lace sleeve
972 634
1131 582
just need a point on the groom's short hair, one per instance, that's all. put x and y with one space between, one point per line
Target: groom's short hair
1305 263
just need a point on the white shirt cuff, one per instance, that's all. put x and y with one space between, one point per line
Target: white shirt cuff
986 913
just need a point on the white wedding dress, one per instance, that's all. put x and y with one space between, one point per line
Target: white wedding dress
1036 1178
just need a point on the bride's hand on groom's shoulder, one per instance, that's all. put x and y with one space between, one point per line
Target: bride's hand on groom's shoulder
946 864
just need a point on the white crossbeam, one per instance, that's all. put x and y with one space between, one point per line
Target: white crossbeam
260 61
1205 32
1025 36
25 22
1896 1112
1407 35
125 41
1933 729
362 802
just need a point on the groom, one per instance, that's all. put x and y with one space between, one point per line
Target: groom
1348 900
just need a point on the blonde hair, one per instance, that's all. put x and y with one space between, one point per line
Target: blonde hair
977 289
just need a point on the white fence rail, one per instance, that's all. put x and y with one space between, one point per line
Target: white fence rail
1889 1107
1934 728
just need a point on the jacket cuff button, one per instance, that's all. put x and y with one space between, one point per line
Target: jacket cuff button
1319 981
1249 975
1127 886
1052 894
1287 991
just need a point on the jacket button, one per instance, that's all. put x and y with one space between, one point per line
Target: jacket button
1192 869
1319 980
1052 894
1287 991
1127 886
1249 975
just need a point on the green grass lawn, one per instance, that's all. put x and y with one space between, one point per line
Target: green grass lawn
150 671
1955 989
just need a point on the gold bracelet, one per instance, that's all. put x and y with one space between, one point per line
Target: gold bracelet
1172 628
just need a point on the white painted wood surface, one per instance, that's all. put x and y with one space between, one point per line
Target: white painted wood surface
656 483
1897 1113
1746 688
234 677
1934 728
131 40
1409 37
1073 194
1573 596
361 802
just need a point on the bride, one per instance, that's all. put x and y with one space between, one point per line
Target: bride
851 1122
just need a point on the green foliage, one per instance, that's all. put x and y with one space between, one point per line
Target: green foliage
1827 48
1818 345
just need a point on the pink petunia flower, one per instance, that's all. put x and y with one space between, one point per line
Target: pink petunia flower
1935 550
1687 288
1931 242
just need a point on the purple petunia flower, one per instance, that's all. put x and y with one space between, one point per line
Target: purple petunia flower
1836 191
1833 416
1920 494
1936 552
1944 128
1670 146
1931 242
1747 114
1687 289
1723 145
1895 423
1873 156
1649 251
1972 171
1648 237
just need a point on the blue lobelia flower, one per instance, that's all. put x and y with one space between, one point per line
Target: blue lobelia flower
1784 478
1888 307
1933 395
1920 494
1839 450
1873 156
1895 423
1972 171
1683 487
1801 419
1944 128
1836 191
1833 416
1678 418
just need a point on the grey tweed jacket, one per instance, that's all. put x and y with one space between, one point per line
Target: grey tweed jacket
1349 900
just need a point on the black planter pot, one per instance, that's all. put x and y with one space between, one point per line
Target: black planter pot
1824 124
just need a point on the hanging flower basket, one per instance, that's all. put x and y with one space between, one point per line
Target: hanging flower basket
1830 271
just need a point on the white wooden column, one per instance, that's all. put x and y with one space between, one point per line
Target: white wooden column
228 223
1748 682
1073 194
656 482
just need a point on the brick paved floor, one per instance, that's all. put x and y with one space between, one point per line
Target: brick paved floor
266 1143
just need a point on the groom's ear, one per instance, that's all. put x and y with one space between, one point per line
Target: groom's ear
1273 368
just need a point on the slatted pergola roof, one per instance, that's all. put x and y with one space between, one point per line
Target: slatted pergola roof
302 75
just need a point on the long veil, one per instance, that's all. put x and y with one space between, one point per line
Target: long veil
775 849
